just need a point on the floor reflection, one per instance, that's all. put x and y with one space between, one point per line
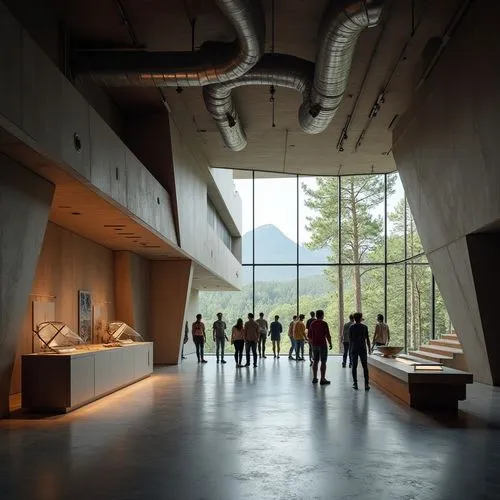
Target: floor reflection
215 431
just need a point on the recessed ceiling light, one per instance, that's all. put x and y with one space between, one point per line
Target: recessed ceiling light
63 206
114 225
76 213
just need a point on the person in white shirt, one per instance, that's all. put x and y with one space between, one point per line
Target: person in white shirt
381 335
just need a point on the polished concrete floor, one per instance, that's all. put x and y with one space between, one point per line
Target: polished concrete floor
214 432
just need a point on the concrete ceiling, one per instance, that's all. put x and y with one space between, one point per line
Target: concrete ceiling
388 58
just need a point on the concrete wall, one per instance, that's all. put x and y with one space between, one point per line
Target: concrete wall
197 237
230 205
67 263
446 151
43 111
25 201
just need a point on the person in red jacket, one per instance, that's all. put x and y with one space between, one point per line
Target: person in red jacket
319 335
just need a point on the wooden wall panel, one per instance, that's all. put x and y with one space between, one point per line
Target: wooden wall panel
67 263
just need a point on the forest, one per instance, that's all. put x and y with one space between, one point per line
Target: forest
360 282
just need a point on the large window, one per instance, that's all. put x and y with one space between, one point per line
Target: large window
341 244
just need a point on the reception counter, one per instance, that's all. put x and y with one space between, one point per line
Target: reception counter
424 390
63 382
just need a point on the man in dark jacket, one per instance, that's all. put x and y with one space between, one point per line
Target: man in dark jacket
346 341
358 336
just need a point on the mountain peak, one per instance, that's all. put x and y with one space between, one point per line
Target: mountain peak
268 228
272 246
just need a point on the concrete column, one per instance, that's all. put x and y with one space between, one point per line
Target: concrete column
132 287
25 201
446 150
170 291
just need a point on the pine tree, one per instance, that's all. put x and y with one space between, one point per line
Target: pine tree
349 203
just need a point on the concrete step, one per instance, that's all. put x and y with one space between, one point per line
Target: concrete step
430 356
446 343
444 350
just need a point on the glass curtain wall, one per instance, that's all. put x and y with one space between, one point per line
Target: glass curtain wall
341 244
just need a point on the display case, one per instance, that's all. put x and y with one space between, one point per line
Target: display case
56 336
65 381
120 332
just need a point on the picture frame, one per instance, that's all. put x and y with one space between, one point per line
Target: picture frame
85 315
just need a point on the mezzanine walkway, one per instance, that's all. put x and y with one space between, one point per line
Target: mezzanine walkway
214 432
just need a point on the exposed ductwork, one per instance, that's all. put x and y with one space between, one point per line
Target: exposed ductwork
273 69
215 62
338 35
322 92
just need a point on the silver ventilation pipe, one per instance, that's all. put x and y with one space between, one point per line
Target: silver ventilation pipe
322 86
273 69
338 35
215 62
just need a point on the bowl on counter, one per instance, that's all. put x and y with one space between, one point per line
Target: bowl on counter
389 351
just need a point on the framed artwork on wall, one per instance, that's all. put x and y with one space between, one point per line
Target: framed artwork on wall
85 315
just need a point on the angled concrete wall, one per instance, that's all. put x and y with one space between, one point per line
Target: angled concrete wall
25 201
446 150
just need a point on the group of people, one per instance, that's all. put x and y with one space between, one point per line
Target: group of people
253 335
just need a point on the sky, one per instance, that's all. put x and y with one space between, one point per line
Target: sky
276 203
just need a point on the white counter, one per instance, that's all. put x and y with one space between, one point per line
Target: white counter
63 382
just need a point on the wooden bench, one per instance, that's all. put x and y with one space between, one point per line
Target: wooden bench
423 390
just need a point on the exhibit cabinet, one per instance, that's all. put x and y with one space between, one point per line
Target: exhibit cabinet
61 382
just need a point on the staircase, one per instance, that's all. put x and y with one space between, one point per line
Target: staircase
446 350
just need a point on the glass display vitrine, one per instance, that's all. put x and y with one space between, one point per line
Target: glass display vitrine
56 336
122 333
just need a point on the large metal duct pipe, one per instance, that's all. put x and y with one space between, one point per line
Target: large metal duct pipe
338 35
273 69
322 92
215 62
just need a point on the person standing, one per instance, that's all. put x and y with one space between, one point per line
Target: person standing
219 332
199 338
263 327
186 339
312 315
292 340
276 329
358 335
299 334
252 333
346 341
381 335
238 340
319 335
